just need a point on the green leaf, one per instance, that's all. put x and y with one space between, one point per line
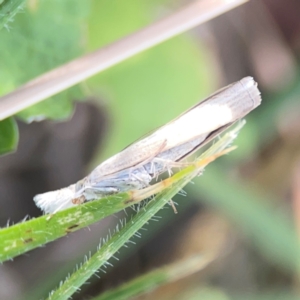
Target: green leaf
8 9
58 107
9 135
47 34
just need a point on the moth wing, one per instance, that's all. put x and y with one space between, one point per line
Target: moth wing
136 154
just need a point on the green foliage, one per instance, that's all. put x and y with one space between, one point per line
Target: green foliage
28 235
156 278
45 35
269 231
8 9
9 135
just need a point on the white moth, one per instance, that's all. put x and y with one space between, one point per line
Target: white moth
135 166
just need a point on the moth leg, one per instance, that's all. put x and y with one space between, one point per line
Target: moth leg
164 167
97 193
167 165
144 181
148 160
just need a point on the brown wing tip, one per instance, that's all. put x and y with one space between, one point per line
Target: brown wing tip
251 86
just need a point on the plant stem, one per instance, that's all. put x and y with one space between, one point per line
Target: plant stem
86 66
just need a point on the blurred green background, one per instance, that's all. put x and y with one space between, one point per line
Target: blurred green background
240 203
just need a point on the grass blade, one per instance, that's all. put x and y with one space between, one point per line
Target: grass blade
157 278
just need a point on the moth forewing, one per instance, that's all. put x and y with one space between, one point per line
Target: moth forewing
224 107
130 157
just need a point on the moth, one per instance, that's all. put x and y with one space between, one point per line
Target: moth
137 165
